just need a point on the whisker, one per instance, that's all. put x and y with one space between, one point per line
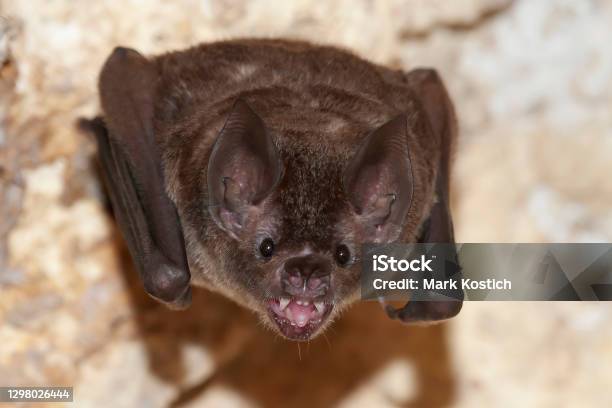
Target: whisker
327 341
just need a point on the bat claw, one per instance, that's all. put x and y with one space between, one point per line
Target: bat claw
182 302
425 311
168 284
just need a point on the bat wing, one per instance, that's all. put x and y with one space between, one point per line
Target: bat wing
131 167
440 113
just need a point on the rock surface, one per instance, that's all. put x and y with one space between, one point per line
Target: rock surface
532 82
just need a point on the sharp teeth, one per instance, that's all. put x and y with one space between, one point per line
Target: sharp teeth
305 303
299 302
282 303
288 314
302 321
320 307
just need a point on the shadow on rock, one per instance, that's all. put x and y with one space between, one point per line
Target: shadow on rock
270 371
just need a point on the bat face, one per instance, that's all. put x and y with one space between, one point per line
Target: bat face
258 168
294 214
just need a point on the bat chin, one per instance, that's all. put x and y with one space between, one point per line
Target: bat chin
299 319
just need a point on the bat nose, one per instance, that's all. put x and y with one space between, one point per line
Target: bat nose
306 276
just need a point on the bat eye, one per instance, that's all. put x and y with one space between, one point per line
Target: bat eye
343 255
266 248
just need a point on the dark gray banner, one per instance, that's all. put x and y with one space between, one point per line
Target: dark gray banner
487 272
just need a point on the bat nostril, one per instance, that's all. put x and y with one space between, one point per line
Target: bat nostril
314 283
318 283
296 280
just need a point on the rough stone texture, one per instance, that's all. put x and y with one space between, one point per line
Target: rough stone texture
533 86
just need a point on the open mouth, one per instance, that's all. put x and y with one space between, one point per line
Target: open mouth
298 319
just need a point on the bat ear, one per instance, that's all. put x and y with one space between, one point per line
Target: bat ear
244 167
131 166
438 228
378 181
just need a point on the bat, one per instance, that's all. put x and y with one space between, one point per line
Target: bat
258 168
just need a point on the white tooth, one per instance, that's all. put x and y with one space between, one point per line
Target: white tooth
306 303
320 307
288 314
299 302
282 303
